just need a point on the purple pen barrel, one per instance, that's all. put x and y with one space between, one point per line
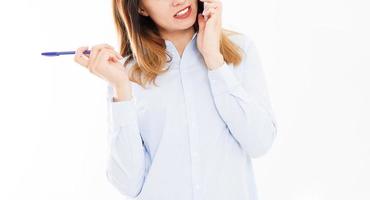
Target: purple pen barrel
62 53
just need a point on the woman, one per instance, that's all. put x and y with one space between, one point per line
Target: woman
192 133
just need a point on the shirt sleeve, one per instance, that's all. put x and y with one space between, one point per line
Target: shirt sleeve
128 159
242 100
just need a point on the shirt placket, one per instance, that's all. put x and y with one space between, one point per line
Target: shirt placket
192 133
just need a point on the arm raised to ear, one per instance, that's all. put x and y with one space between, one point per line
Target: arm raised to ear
241 98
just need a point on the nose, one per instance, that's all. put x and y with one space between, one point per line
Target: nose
178 2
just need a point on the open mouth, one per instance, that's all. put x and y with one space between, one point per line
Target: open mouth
183 13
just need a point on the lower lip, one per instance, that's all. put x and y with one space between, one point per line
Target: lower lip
184 16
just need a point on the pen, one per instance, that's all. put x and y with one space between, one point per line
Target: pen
62 53
57 53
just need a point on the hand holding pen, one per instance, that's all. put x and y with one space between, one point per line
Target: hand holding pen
103 61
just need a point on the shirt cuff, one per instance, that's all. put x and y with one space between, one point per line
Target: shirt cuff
124 112
222 79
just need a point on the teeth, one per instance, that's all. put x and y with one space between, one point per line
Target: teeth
182 12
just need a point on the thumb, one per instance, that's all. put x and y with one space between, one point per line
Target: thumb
201 22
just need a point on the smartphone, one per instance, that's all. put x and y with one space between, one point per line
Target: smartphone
200 6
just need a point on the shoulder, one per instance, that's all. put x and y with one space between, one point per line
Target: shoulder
242 40
246 43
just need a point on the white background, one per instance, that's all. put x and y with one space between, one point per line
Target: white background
315 55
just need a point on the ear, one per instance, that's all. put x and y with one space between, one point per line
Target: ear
142 11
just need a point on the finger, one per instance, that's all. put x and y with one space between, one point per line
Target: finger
95 50
108 55
97 58
117 56
80 57
210 12
201 22
216 4
109 47
114 56
209 7
104 55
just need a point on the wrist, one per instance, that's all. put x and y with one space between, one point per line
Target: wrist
214 61
122 93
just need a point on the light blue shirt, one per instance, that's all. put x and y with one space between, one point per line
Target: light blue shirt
193 137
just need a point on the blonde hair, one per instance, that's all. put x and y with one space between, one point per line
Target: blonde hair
140 41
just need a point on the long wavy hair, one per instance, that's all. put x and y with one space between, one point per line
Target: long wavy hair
140 43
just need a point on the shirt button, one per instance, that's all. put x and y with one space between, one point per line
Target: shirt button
197 186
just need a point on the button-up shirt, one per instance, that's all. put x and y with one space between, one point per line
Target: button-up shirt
193 136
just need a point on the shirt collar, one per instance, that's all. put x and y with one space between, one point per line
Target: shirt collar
170 47
169 43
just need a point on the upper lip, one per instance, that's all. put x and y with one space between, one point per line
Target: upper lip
182 9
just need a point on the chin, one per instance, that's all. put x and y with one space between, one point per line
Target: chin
184 27
189 23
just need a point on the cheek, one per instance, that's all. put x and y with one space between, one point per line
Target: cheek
162 18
